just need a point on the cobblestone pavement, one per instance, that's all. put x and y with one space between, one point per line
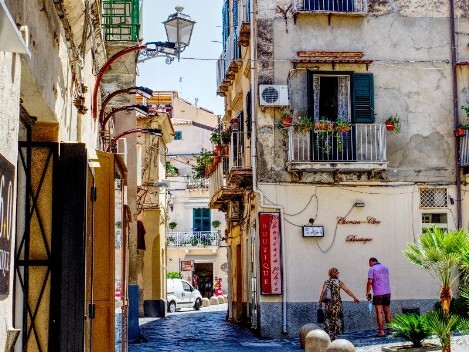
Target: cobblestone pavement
207 330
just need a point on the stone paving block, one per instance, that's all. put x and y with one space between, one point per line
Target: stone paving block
205 302
213 300
341 345
221 299
317 341
305 329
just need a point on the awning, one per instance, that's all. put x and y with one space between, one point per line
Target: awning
11 39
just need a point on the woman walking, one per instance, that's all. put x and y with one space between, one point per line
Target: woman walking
330 294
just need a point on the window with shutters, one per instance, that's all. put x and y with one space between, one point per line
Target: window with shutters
201 219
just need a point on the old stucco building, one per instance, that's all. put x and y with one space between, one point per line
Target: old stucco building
298 203
68 216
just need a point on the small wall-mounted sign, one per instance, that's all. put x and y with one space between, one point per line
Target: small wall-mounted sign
313 231
187 265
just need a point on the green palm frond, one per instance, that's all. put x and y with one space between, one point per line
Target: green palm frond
442 326
411 327
441 253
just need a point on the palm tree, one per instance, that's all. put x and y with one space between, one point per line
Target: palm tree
440 253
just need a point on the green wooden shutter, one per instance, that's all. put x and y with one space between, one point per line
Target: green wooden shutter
363 98
201 219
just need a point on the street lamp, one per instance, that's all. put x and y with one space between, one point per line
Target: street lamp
143 91
151 131
179 31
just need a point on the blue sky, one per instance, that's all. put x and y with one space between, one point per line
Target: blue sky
193 79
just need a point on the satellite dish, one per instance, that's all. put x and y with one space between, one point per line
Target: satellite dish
224 267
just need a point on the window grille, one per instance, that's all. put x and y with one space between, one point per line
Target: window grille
433 198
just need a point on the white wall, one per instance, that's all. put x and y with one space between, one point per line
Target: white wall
9 120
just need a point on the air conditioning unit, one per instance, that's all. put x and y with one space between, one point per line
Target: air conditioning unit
273 95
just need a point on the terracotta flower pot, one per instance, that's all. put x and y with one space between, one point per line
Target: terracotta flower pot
218 148
459 132
389 126
287 121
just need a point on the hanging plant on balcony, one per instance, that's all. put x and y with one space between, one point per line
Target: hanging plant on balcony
323 124
342 126
303 125
393 123
172 225
287 118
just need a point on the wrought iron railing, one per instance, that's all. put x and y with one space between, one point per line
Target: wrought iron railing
464 150
237 151
233 52
362 143
193 239
121 20
345 6
202 183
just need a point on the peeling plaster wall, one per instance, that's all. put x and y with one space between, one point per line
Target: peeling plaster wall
47 82
9 116
393 34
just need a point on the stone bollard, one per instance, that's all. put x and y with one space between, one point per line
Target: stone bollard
304 331
317 341
225 297
213 300
341 345
221 300
205 302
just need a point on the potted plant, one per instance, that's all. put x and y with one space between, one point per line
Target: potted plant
287 117
342 126
225 137
215 138
216 224
392 123
413 328
172 225
303 125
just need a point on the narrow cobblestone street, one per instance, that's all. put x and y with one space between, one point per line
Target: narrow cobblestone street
208 330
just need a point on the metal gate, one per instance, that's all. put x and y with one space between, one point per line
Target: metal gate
49 252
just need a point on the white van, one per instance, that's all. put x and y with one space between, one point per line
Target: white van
181 294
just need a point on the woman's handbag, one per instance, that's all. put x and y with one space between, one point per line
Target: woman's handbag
320 316
327 295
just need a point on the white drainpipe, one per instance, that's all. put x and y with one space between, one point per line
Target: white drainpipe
253 43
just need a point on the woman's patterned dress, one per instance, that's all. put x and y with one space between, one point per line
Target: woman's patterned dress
334 322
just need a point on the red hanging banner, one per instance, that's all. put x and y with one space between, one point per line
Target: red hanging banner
270 256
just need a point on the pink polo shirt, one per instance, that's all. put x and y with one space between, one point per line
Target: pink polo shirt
380 275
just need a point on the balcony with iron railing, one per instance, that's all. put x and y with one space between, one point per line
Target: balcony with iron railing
121 20
194 239
358 7
363 147
198 184
228 64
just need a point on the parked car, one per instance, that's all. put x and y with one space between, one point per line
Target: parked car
181 294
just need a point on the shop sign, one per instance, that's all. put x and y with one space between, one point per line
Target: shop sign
270 256
7 172
187 265
357 239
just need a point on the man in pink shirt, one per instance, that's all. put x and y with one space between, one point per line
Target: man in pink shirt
378 281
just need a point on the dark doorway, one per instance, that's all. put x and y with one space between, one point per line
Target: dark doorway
204 278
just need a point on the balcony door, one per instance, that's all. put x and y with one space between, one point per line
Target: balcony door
201 219
331 103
